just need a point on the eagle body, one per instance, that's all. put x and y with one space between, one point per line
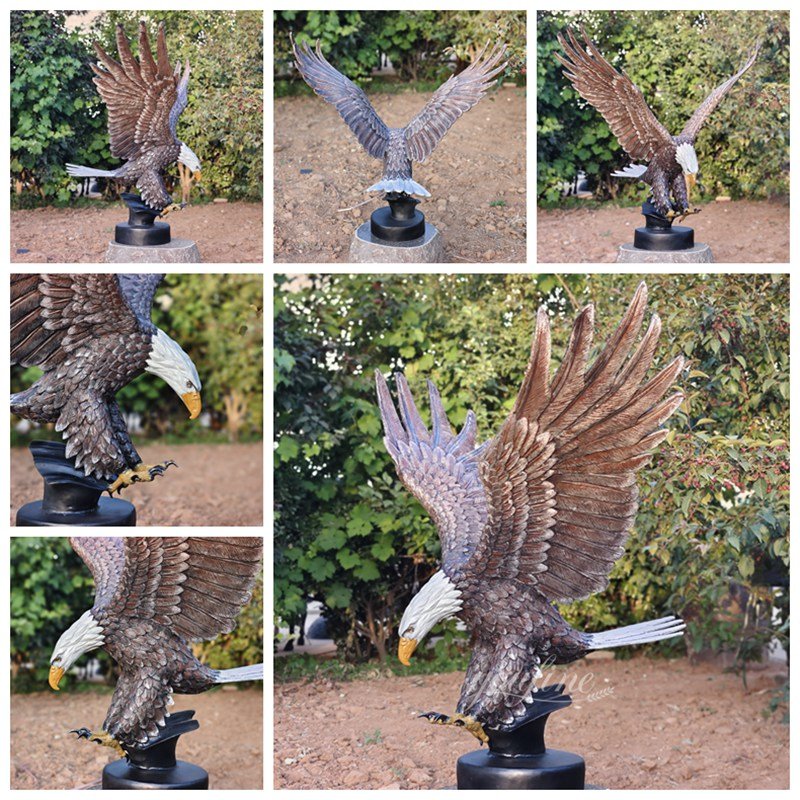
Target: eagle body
145 99
153 596
399 147
91 335
539 513
671 160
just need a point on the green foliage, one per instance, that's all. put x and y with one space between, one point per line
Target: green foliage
223 122
713 503
676 58
418 43
55 110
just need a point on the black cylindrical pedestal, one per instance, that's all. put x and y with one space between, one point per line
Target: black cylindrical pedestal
400 221
677 237
141 229
110 511
122 775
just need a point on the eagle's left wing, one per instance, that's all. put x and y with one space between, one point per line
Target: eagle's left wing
139 291
452 99
105 557
195 585
698 119
560 474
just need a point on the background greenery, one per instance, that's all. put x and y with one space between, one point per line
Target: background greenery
51 587
218 320
420 44
676 58
58 117
714 508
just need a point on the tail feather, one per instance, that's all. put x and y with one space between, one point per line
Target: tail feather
77 171
406 185
253 672
631 171
640 633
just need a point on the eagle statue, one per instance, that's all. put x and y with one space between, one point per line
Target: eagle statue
671 160
144 98
536 515
153 597
399 147
91 335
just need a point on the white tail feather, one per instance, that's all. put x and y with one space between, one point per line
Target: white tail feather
631 171
78 171
640 633
406 185
254 672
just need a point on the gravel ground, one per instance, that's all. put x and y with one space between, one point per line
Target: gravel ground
640 724
224 232
742 231
214 484
228 744
480 161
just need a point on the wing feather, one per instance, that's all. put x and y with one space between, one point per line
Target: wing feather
105 558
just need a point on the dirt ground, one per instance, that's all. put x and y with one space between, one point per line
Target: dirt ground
481 160
228 744
639 724
741 231
224 232
214 484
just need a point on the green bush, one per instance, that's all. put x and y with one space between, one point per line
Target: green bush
676 58
714 503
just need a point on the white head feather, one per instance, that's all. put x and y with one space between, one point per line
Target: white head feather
82 636
437 600
172 365
686 156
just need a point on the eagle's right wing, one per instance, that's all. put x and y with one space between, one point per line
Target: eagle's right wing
615 96
139 291
350 101
437 467
105 557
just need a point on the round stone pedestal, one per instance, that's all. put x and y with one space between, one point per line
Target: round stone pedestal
367 249
698 254
177 251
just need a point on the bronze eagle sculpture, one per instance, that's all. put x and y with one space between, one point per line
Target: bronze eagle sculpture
144 100
671 160
536 515
399 147
91 335
153 596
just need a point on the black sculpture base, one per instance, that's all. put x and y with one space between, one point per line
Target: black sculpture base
660 234
518 759
70 498
400 221
155 766
141 229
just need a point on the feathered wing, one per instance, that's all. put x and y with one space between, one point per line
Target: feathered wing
560 474
706 108
194 585
139 291
452 99
350 101
140 95
439 468
615 96
105 558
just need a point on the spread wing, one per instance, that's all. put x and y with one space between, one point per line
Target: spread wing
194 585
560 474
615 96
439 468
105 557
139 291
140 95
698 119
54 315
350 101
452 99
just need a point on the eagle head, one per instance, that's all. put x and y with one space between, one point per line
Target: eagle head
686 156
82 636
437 600
174 367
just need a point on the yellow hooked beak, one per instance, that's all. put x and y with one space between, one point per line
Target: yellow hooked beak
56 674
193 402
405 649
691 182
197 176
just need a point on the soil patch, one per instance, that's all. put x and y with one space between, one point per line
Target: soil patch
741 231
228 744
640 724
224 232
480 161
214 484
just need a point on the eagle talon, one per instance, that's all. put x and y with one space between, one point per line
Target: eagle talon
141 472
170 208
459 721
102 738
